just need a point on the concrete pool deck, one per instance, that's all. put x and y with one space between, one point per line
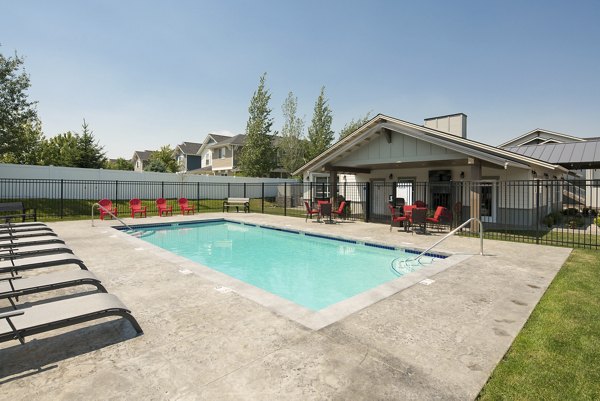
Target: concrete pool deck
436 341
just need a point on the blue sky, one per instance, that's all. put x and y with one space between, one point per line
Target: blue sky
145 74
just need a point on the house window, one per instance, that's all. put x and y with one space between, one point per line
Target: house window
207 160
221 153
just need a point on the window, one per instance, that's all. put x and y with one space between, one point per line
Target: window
221 153
207 160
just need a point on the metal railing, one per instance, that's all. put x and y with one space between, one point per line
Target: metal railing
100 207
541 211
402 261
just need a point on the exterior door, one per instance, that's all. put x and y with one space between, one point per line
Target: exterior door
488 201
379 197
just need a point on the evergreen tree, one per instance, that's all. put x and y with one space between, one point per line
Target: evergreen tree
90 154
20 129
320 134
258 156
353 125
163 161
291 148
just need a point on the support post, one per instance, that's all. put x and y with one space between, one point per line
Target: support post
475 193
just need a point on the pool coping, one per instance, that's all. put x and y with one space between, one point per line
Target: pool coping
314 320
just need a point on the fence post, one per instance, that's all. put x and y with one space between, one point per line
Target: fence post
367 201
162 189
198 196
117 195
263 199
285 198
229 190
62 205
244 190
537 211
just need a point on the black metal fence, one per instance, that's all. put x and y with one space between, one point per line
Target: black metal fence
552 212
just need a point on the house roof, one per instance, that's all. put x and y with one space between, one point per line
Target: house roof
211 138
143 155
574 155
542 133
189 148
235 140
488 153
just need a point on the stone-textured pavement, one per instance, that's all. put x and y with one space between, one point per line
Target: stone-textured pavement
427 342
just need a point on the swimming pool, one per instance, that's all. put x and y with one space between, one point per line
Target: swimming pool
308 269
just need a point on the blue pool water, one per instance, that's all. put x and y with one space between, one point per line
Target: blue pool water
311 271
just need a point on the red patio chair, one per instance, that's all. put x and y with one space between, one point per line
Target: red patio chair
107 207
163 208
420 204
340 211
396 217
310 211
135 205
185 207
442 216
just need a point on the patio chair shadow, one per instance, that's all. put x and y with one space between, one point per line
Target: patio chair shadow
37 356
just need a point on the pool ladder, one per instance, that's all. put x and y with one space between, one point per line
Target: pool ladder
402 266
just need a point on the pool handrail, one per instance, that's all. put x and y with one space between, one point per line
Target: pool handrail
416 259
110 213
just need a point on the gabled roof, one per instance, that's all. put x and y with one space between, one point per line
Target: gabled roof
210 140
465 146
574 155
235 140
189 148
143 155
541 133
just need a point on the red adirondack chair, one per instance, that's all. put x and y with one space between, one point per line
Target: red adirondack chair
340 211
396 217
135 205
163 208
107 207
310 211
185 207
442 216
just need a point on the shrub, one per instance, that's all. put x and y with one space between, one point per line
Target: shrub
570 212
597 221
576 222
554 218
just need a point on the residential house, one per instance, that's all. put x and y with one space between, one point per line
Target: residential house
187 156
140 159
434 162
220 156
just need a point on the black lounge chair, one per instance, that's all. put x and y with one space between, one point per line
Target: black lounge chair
33 250
23 230
13 225
15 264
15 287
47 239
4 236
18 324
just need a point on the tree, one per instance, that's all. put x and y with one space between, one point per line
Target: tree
60 150
73 150
258 154
30 145
291 148
162 161
353 125
120 164
320 134
90 154
20 129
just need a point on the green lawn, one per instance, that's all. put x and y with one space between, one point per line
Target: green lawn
557 354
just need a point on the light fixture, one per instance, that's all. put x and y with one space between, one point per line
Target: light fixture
391 176
534 173
462 175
